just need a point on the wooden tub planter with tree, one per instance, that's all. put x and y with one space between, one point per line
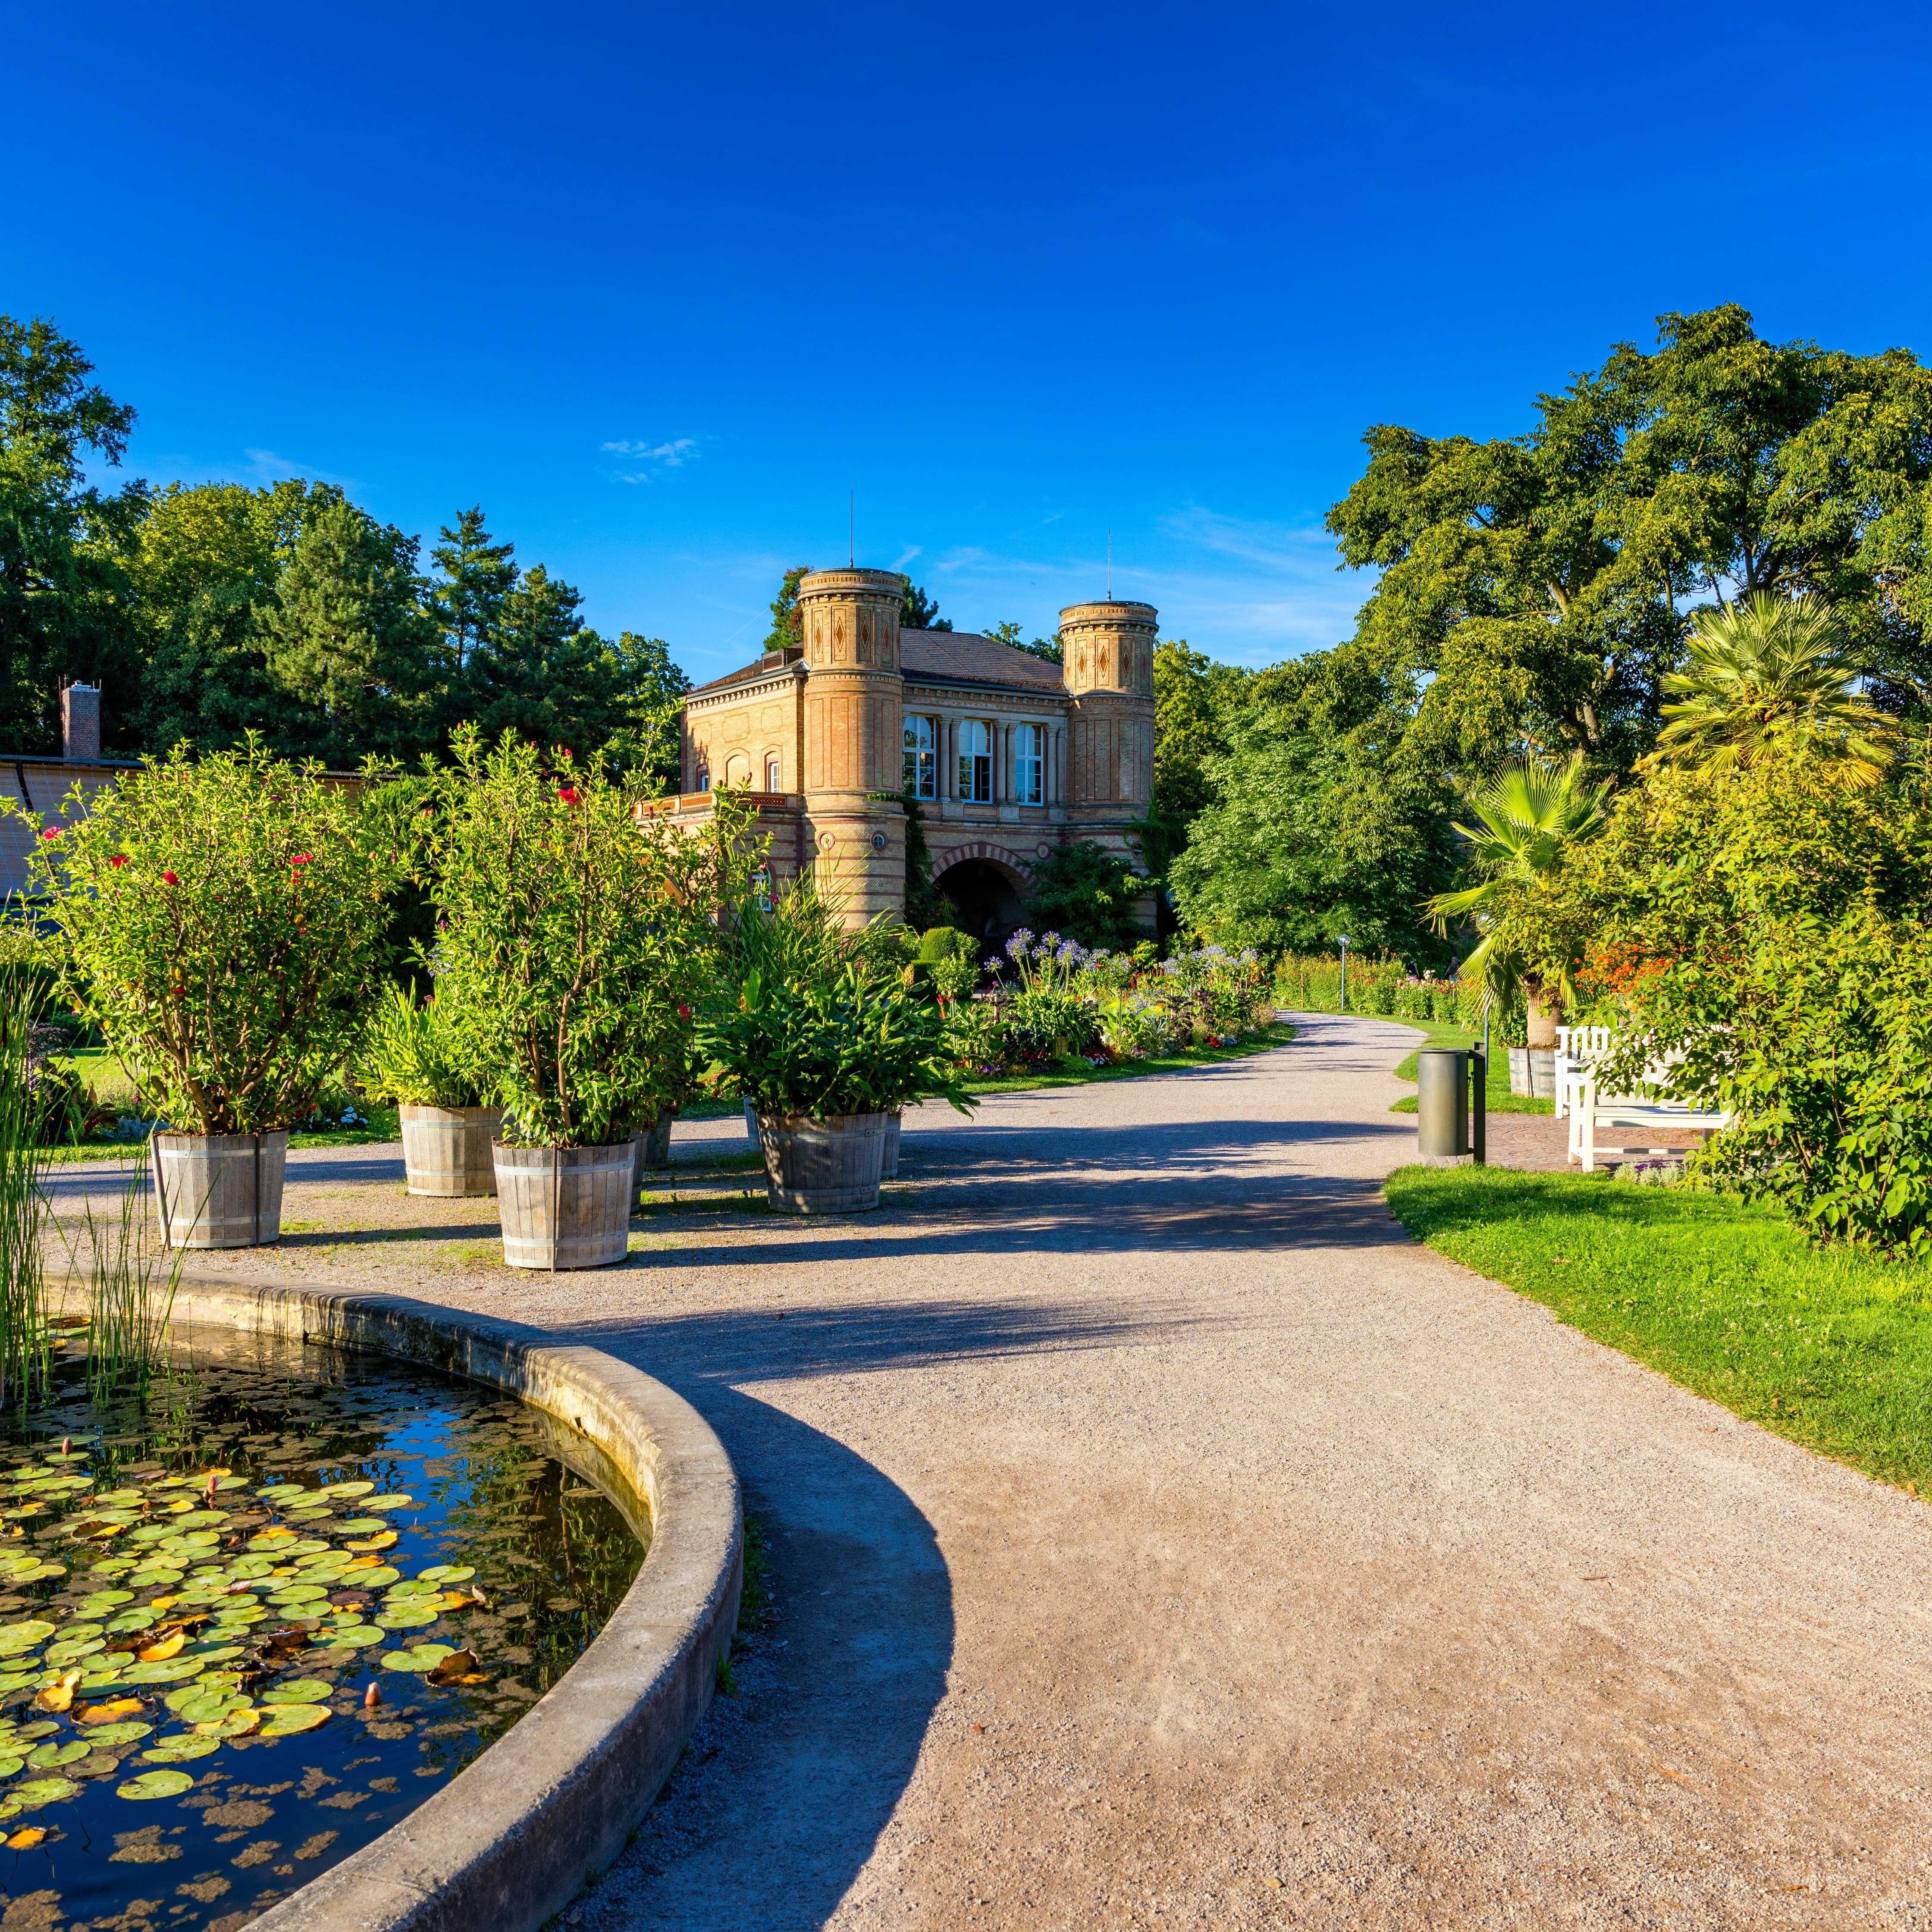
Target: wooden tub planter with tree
423 1057
581 934
222 921
827 1064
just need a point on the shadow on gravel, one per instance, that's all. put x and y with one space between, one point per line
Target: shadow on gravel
766 1822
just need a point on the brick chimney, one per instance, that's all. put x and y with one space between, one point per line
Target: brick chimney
80 724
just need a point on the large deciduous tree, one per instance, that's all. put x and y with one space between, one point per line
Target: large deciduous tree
1534 588
64 597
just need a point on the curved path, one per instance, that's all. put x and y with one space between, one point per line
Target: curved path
1160 1538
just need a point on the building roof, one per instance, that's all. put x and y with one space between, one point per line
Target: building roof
965 657
952 657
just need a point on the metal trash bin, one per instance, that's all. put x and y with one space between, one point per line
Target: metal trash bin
1442 1106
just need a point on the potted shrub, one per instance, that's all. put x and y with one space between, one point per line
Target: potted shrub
581 933
222 921
420 1056
827 1061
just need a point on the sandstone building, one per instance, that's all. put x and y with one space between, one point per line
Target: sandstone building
1009 757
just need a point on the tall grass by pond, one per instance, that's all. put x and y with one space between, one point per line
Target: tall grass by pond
23 1207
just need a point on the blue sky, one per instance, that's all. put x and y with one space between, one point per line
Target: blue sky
657 286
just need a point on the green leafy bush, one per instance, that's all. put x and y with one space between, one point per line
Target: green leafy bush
420 1053
222 921
1763 930
1046 1024
1088 893
583 934
857 1041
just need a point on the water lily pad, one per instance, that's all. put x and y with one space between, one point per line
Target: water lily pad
378 1578
239 1723
32 1632
406 1616
174 1672
362 1525
156 1784
298 1593
353 1637
215 1653
245 1567
445 1573
38 1791
200 1706
107 1735
422 1656
10 1764
346 1489
390 1503
277 1492
46 1757
288 1720
181 1749
299 1690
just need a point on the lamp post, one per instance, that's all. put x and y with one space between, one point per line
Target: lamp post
1344 938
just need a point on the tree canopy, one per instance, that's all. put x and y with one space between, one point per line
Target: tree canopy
209 610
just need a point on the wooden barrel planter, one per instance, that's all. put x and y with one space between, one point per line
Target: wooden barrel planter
752 1123
1533 1072
565 1207
830 1166
220 1190
890 1169
446 1151
656 1143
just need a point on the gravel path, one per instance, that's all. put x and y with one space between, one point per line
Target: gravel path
1160 1537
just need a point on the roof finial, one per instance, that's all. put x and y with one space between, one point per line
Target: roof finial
852 528
1110 566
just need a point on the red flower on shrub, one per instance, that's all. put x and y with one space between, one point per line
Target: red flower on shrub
51 832
567 794
684 1012
302 859
169 879
119 859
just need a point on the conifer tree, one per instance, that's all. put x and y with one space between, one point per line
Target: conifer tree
348 641
477 576
544 674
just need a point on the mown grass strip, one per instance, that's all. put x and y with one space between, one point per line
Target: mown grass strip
1824 1346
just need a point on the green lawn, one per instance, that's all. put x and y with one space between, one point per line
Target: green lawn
1823 1346
1496 1088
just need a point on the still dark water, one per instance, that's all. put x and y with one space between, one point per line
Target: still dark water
196 1595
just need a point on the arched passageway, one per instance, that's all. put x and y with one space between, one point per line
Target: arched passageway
988 896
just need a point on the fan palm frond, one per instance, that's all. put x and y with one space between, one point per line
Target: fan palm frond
1769 675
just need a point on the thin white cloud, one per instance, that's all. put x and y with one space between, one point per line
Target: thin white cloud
653 457
906 556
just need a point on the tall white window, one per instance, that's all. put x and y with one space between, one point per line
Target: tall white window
773 771
922 758
704 778
975 761
1028 765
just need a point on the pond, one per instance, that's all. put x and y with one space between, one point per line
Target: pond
247 1626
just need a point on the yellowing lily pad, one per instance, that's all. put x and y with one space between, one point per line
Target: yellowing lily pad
287 1721
156 1784
44 1757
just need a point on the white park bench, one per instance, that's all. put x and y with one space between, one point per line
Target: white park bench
1591 1108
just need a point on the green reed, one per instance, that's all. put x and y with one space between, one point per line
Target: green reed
25 1349
129 1295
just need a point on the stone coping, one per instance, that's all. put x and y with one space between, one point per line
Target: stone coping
510 1839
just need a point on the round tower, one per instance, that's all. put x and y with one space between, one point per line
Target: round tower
1108 650
854 724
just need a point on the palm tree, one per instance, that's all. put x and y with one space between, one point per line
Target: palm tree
1529 815
1767 677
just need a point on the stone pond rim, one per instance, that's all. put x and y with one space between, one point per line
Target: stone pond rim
510 1839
